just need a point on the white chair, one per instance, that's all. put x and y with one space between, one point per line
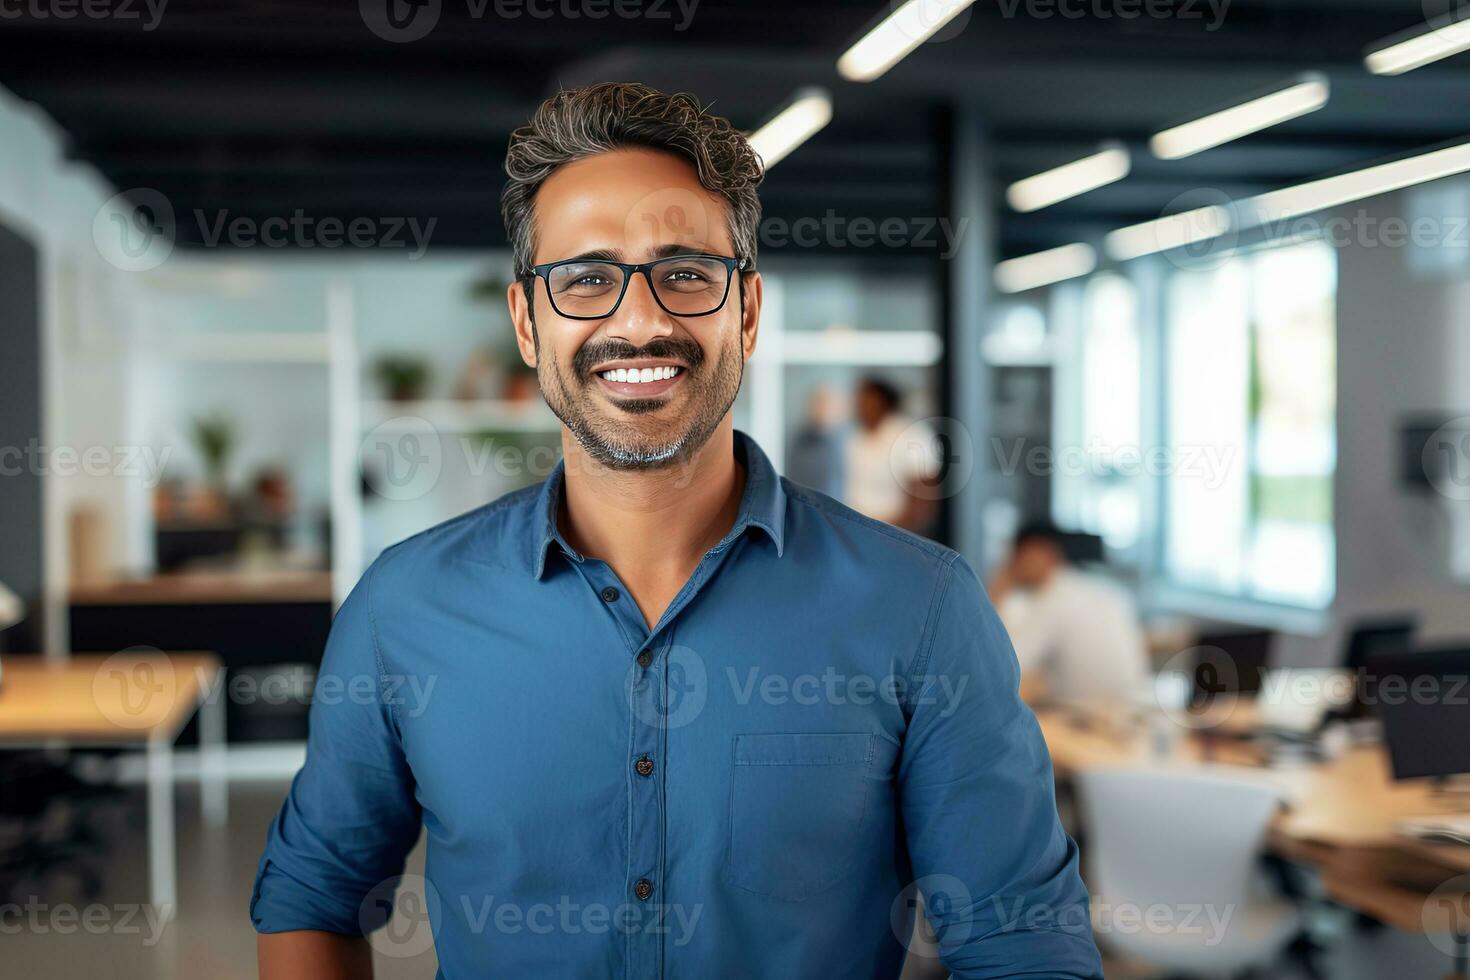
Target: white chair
1171 859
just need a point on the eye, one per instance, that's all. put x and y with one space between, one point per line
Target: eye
685 276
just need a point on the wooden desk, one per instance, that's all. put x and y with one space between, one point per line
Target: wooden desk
1338 817
135 700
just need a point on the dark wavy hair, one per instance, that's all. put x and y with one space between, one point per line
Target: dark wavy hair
580 122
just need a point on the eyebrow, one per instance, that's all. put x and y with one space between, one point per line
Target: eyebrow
616 254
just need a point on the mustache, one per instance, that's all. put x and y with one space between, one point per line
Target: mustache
596 352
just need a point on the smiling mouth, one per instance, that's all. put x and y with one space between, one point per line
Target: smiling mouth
640 381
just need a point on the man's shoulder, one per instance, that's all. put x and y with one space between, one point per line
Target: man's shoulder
492 534
813 515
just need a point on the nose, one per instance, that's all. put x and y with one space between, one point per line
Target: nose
639 318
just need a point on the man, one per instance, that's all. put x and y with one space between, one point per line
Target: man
890 460
666 714
1076 636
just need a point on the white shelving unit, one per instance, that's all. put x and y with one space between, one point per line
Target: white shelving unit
459 416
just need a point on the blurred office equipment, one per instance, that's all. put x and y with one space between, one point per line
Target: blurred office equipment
1183 841
1082 548
1230 662
1423 698
1370 638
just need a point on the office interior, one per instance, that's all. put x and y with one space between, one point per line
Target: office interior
252 277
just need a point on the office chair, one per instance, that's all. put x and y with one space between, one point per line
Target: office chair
1182 848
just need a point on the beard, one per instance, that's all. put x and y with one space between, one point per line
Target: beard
642 433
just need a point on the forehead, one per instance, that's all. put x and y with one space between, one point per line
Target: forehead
629 201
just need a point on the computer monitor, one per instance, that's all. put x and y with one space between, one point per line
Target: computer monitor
1368 639
1423 699
1230 662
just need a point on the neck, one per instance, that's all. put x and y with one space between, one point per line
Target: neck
652 521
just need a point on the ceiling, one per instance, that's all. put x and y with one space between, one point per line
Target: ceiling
254 108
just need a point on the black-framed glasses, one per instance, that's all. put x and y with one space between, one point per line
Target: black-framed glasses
683 285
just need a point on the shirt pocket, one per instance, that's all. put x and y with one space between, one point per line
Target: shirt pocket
798 808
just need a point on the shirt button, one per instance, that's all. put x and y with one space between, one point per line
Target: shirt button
643 889
645 658
610 594
644 766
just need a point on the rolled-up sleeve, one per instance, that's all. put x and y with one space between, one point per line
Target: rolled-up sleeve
351 816
999 875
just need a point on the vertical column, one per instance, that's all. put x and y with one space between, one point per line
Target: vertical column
968 204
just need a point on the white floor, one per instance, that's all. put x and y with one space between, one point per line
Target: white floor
211 938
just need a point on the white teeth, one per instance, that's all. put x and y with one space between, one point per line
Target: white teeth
640 375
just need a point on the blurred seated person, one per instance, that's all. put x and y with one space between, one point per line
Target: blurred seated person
1076 635
891 460
814 458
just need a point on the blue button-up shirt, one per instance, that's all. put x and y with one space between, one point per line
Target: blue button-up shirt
823 724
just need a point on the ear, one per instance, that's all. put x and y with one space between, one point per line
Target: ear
751 318
520 316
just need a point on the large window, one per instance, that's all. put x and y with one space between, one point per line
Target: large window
1097 476
1249 424
1195 421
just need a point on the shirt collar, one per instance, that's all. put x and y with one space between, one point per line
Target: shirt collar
762 505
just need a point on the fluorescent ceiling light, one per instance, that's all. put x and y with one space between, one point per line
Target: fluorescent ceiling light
1175 230
808 111
895 36
1329 192
1044 268
1446 36
1170 231
1078 177
1307 94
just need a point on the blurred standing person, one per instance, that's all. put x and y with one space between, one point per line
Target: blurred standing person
890 459
1076 635
815 457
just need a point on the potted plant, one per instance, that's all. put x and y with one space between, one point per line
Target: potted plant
403 376
214 437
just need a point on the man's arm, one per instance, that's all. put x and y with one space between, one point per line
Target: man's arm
1000 876
311 955
348 822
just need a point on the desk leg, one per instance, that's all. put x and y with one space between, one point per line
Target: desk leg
214 787
162 844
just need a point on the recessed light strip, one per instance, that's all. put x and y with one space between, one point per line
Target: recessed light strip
1308 94
1078 177
895 36
808 111
1044 268
1273 207
1447 35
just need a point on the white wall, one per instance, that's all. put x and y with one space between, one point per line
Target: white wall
1403 347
